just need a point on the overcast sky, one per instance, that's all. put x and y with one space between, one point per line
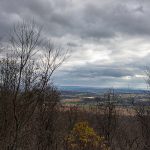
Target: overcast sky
108 40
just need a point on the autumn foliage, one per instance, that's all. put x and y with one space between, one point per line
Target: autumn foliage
83 137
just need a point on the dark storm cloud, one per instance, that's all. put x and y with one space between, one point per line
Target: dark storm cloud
91 71
86 19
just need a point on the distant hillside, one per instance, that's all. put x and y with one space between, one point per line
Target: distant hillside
96 90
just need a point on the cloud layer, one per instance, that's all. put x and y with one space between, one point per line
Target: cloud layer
108 39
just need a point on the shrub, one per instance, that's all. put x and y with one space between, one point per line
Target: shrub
83 137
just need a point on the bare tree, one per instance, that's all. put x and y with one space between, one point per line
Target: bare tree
24 83
143 116
107 116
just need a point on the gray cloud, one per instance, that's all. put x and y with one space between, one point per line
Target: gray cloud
95 71
86 19
108 38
